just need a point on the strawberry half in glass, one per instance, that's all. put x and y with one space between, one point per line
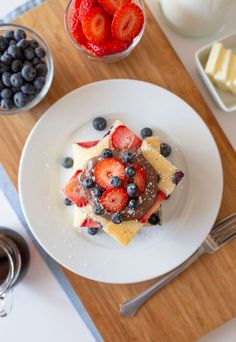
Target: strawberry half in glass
105 30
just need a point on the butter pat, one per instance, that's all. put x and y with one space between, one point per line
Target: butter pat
233 85
231 79
222 68
213 59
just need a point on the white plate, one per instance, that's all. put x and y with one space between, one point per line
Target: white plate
188 215
225 99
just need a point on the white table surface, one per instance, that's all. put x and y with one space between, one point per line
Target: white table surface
8 6
39 300
185 48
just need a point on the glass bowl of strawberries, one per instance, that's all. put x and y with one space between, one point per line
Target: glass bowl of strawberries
105 30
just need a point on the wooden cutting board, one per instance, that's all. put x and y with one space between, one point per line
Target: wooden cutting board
204 296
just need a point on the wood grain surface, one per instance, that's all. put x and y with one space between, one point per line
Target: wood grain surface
205 295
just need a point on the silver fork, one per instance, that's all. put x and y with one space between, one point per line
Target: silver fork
221 233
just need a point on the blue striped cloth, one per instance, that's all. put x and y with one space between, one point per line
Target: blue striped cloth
20 10
12 196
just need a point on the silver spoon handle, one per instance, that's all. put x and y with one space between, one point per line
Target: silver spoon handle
129 308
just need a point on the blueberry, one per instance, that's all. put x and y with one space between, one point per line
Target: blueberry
6 93
133 203
165 149
92 231
16 65
116 218
98 209
97 191
99 123
28 89
177 177
106 153
154 219
115 182
3 43
6 104
34 44
88 183
40 52
6 59
1 85
6 76
67 162
20 99
23 44
19 34
27 63
3 68
36 61
15 52
29 53
128 157
28 72
132 190
12 42
9 35
146 132
130 171
15 89
68 202
16 80
39 82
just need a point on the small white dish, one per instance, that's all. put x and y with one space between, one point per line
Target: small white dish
187 216
225 99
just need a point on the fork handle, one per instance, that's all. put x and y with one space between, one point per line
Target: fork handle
129 308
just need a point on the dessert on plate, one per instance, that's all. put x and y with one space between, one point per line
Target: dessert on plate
120 181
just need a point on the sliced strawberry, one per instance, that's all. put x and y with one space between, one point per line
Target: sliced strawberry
105 169
84 7
161 196
114 200
74 15
74 21
111 6
72 190
123 138
78 34
127 22
89 223
139 178
110 47
76 4
88 144
96 25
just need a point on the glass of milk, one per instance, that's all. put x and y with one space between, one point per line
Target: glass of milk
197 18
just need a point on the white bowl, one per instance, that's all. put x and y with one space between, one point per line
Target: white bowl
225 99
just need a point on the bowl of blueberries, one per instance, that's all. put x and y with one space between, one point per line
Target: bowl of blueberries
26 69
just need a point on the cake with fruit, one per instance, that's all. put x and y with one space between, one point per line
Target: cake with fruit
120 181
